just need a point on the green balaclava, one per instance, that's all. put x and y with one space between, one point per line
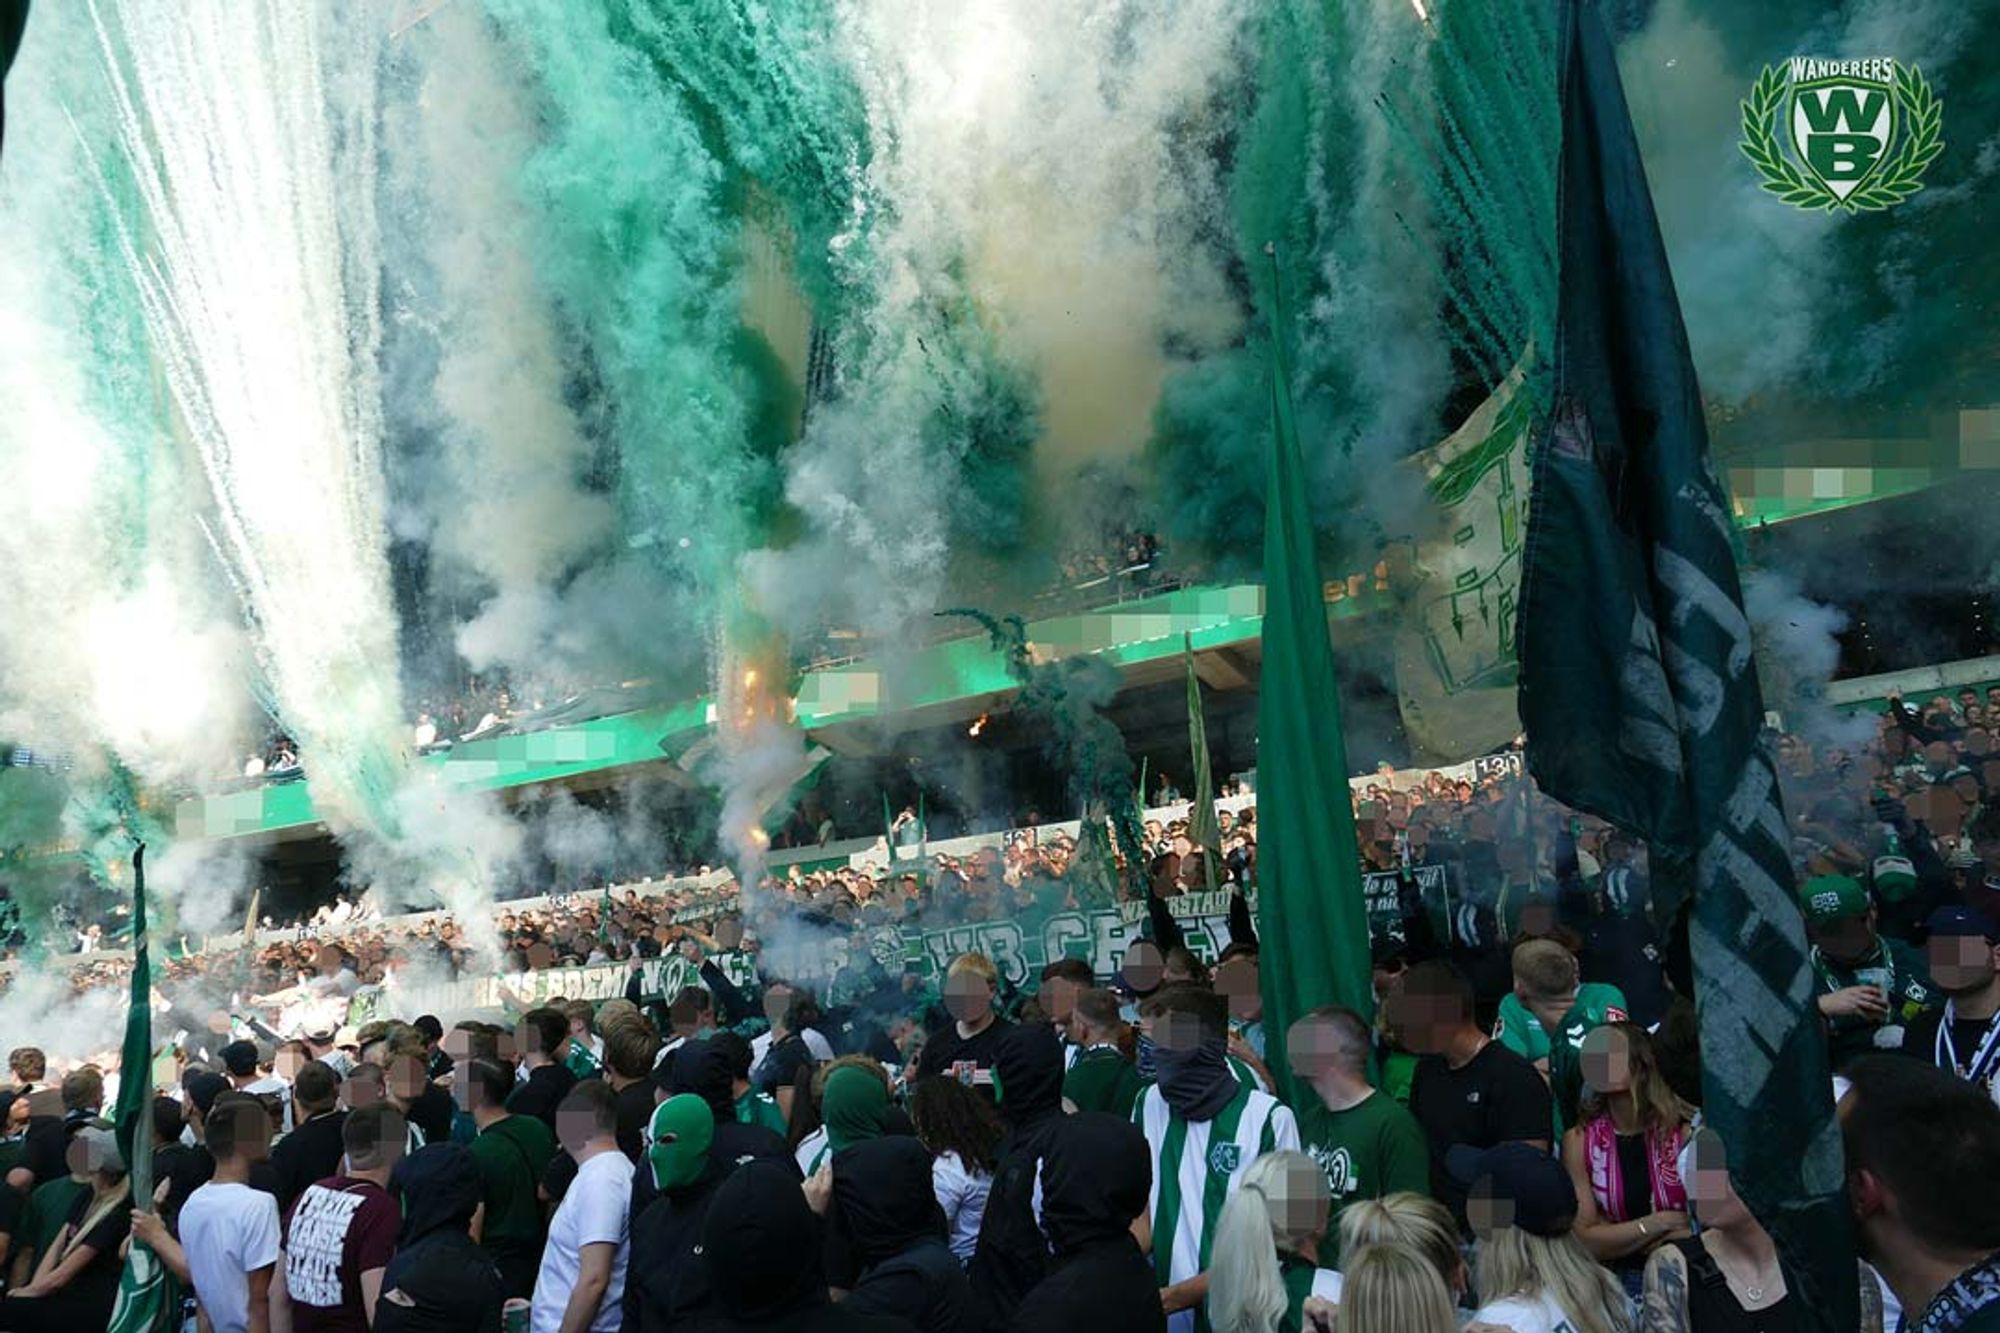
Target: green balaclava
677 1141
854 1107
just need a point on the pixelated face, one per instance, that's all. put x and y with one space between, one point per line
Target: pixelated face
1174 1032
1847 939
1961 962
967 996
1058 998
288 1063
1488 1214
575 1129
1238 981
1312 1048
1142 966
1607 1060
1423 1022
406 1078
1709 1188
360 1092
1299 1199
777 1001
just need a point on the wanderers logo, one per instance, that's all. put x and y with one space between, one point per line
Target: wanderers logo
1847 134
1224 1158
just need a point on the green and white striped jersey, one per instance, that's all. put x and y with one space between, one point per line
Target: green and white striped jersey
1196 1166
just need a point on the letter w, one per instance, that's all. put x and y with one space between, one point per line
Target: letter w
1847 109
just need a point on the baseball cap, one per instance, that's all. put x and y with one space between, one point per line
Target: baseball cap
1827 898
203 1087
1534 1182
240 1058
1964 921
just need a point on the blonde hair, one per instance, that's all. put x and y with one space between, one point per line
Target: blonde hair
1545 969
1388 1289
1513 1262
975 964
1414 1222
1246 1293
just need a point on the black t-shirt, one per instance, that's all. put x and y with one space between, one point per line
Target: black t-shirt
781 1065
634 1104
45 1147
431 1112
945 1052
547 1085
97 1284
1920 1038
310 1152
1495 1097
196 1168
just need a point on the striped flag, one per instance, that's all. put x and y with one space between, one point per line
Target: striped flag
148 1296
1639 688
1203 830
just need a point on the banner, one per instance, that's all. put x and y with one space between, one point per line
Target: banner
1381 895
1455 657
815 958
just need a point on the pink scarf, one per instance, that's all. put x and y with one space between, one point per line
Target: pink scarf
1607 1182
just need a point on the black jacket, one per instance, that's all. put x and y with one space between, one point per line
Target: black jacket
1096 1179
1012 1256
887 1238
439 1281
667 1284
763 1250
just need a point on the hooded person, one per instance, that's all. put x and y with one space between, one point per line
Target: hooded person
763 1250
701 1069
854 1108
439 1280
1096 1178
888 1244
671 1285
1013 1255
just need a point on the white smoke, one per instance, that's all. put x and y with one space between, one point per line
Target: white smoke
504 511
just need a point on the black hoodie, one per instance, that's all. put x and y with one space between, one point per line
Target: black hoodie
439 1281
668 1286
1012 1255
762 1247
1096 1179
886 1221
698 1066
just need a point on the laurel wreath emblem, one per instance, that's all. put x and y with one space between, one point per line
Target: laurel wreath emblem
1896 180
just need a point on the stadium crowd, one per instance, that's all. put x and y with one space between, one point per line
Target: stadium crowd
1511 1139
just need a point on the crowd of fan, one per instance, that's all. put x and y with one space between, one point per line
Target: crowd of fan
1080 1156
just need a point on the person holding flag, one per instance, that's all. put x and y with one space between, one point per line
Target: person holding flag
148 1299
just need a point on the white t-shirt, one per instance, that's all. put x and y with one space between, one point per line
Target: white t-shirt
593 1212
228 1231
812 1150
1525 1314
962 1196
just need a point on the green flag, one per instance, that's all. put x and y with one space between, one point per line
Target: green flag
1638 690
1309 909
148 1300
1203 831
13 21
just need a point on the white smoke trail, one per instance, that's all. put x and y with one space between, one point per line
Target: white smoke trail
249 127
111 638
505 511
1040 188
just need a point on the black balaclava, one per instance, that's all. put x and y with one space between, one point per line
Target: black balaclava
763 1246
1197 1082
1097 1177
884 1198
